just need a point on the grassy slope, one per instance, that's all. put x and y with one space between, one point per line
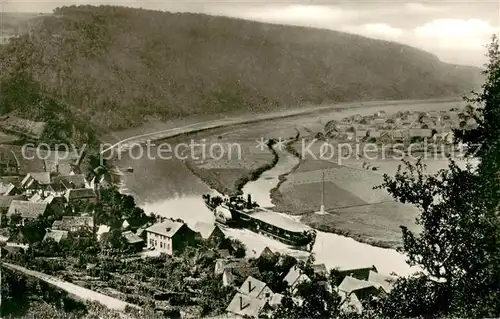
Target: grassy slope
113 66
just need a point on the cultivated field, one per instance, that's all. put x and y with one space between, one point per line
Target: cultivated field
241 156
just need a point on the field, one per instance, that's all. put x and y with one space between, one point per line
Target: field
241 159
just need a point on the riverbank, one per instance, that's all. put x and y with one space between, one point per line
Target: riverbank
230 181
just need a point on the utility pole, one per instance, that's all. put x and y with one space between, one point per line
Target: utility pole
322 207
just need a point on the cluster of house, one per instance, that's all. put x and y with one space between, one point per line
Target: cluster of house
399 127
255 298
37 193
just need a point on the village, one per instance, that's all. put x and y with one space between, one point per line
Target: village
80 229
400 127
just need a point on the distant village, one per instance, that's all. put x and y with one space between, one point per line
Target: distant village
67 202
400 127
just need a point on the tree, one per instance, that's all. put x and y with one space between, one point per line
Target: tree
4 220
15 220
239 249
459 245
312 300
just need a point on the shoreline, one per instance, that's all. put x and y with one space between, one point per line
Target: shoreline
240 182
275 192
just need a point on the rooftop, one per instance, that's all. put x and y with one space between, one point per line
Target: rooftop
26 209
276 300
205 229
386 282
292 275
350 302
320 269
5 201
246 306
42 178
56 235
350 284
167 228
131 238
70 181
277 220
252 287
242 272
80 193
6 180
36 198
68 222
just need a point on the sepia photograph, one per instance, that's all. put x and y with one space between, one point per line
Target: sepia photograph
220 159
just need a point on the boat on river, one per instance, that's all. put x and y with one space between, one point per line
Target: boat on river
239 213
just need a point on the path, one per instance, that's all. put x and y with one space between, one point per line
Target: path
75 290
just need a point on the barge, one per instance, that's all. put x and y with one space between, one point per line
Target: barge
237 213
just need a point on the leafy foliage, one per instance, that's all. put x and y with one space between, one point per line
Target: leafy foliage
459 245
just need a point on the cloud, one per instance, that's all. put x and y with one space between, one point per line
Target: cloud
417 7
458 40
455 28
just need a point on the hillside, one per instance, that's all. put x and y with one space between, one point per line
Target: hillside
114 66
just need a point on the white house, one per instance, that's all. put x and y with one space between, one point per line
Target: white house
169 236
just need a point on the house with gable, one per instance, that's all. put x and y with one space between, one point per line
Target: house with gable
385 282
385 138
85 195
295 277
256 289
236 275
56 235
5 202
135 242
350 303
169 237
320 270
62 183
359 273
209 232
267 253
74 223
26 209
6 181
363 289
20 238
34 182
243 306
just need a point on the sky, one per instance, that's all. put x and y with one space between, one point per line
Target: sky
455 31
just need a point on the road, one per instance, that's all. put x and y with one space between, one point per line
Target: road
75 290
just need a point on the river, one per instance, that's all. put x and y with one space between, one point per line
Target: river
168 188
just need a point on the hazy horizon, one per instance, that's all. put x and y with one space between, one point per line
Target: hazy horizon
456 32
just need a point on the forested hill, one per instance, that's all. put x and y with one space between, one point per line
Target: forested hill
113 66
